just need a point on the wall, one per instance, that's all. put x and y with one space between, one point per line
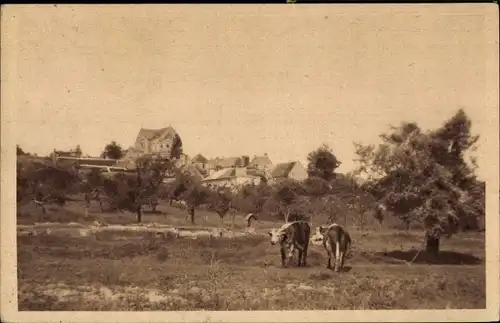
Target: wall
298 172
234 181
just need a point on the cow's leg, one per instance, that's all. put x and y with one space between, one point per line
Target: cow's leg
328 247
329 262
342 257
301 252
343 254
283 256
337 256
304 256
291 252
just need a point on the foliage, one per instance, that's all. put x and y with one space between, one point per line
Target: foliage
322 163
251 198
176 151
182 183
285 200
45 183
19 150
316 186
131 191
423 176
220 200
112 151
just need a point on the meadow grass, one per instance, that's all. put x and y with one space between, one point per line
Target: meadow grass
141 271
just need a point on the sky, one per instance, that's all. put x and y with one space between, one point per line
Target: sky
248 79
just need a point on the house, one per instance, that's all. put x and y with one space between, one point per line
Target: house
262 173
261 162
183 160
165 142
128 159
231 177
199 159
201 163
289 170
75 153
228 162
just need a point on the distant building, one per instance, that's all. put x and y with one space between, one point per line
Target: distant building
164 142
193 171
261 162
75 153
228 162
231 177
201 163
290 170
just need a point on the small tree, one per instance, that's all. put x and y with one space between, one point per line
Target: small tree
220 201
134 190
322 163
112 151
196 195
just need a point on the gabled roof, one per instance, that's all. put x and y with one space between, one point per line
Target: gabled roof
282 170
155 133
229 173
226 162
190 168
259 172
261 161
199 159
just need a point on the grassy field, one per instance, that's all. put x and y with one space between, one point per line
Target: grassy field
110 271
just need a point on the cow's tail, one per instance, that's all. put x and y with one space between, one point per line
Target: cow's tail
337 251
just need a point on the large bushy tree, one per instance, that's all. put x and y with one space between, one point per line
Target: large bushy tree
424 176
112 151
322 163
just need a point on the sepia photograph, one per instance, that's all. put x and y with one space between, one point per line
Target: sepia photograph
251 163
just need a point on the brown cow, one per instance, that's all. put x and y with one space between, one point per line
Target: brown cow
292 236
336 241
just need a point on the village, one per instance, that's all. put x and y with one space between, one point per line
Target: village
230 172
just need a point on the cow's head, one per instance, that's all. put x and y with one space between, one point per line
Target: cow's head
276 235
318 236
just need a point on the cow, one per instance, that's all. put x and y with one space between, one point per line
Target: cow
292 236
336 241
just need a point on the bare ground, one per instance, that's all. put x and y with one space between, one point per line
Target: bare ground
140 271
